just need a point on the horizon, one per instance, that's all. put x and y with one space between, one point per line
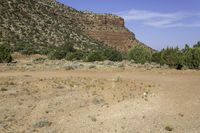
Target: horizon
158 24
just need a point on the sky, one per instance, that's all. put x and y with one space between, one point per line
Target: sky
157 23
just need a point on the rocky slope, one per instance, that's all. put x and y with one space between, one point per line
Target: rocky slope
46 23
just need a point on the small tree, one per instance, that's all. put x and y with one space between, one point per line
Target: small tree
25 48
5 53
172 57
192 58
77 55
113 55
61 52
95 56
157 58
140 54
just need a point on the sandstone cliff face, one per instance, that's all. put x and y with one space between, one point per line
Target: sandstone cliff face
109 29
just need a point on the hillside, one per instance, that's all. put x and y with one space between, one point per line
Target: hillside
46 23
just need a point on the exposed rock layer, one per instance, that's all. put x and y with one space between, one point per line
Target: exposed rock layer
109 29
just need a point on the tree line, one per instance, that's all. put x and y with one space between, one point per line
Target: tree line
174 57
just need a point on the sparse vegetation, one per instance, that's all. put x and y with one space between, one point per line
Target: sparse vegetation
55 32
61 35
140 54
169 128
77 55
172 57
95 56
113 55
192 57
5 53
26 49
42 123
61 52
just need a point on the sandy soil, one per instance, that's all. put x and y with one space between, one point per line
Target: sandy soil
100 101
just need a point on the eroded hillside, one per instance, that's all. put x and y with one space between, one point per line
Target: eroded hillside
45 23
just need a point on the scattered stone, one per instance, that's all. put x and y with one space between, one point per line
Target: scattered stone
117 79
120 65
145 94
107 62
149 68
132 61
68 67
76 65
165 66
13 62
100 63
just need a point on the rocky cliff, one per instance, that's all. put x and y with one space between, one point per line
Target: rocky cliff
109 29
46 23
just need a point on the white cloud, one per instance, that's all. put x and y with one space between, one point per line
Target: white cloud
162 20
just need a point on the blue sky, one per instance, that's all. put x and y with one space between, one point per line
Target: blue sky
157 23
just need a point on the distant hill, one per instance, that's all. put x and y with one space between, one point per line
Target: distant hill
44 23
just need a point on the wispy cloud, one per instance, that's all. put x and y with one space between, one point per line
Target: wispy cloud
162 20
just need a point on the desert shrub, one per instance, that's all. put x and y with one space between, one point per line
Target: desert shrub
156 57
26 49
172 57
113 55
95 56
140 54
192 58
169 128
44 51
5 53
77 55
61 52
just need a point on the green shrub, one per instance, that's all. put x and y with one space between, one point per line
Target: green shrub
169 128
78 55
156 57
140 54
192 58
61 52
176 58
95 56
5 53
172 57
57 54
26 49
113 55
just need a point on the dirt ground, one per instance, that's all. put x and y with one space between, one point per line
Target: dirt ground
100 101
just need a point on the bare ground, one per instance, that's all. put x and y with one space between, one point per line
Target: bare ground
100 101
